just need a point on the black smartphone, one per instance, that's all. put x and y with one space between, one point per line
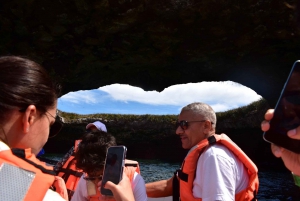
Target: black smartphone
113 169
286 113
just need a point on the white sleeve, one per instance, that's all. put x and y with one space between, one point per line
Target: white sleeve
80 193
138 188
52 195
215 176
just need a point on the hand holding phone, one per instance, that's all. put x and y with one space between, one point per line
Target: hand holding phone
291 159
121 191
287 113
114 165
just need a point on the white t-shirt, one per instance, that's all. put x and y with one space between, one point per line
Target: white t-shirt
50 195
137 185
220 175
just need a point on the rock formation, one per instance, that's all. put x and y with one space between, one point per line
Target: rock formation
155 44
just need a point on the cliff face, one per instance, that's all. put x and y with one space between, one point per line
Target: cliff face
154 44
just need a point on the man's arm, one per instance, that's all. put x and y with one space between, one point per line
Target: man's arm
161 188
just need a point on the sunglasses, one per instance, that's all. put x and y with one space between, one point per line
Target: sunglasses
185 124
55 127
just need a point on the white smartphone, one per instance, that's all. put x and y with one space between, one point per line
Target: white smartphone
286 113
113 169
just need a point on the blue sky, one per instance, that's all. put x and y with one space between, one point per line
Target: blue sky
126 99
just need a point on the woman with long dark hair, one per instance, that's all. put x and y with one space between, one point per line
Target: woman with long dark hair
28 116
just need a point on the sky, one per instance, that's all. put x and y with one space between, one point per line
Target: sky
126 99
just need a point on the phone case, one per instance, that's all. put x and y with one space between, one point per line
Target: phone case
114 164
286 113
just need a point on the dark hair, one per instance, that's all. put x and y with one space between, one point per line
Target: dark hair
91 152
24 82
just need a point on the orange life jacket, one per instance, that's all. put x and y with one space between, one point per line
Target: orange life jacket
34 175
187 172
130 168
67 170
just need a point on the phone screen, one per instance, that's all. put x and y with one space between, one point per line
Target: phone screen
113 169
287 113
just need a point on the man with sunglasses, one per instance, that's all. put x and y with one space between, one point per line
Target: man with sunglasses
214 169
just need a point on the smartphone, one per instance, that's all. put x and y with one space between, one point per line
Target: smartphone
113 169
286 113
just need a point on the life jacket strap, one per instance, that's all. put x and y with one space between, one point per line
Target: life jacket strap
176 190
131 164
183 176
254 196
70 193
212 140
21 154
71 172
61 163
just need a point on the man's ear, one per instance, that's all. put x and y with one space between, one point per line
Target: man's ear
208 126
29 116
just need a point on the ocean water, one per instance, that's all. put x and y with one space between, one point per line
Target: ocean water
273 185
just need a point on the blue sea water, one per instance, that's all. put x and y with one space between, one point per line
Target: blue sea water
273 185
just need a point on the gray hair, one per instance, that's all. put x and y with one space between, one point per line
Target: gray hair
204 110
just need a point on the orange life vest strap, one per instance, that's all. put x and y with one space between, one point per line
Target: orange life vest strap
131 164
183 176
20 153
71 172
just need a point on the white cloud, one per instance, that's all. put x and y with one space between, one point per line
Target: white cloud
221 96
227 92
81 97
223 107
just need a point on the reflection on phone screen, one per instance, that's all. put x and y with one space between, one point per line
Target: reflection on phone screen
113 169
288 109
287 113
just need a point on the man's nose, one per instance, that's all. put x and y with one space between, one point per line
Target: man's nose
179 130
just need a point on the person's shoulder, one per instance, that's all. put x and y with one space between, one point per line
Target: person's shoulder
3 146
218 150
218 153
137 177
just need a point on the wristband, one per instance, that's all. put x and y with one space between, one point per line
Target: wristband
296 179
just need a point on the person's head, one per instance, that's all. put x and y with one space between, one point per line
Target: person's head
28 100
196 122
91 152
97 125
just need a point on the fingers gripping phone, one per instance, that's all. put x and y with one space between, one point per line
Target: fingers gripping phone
286 113
113 169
